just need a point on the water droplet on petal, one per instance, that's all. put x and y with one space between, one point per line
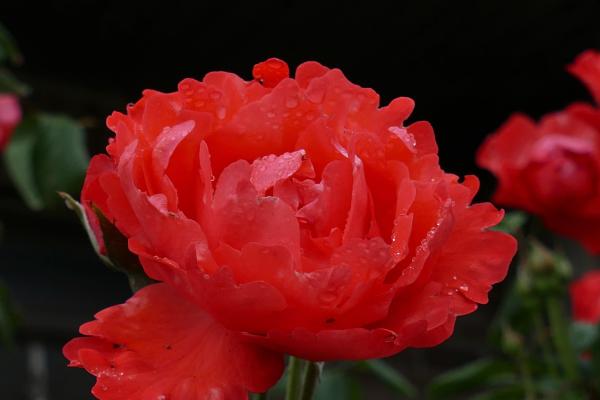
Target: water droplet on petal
407 138
464 287
221 113
215 95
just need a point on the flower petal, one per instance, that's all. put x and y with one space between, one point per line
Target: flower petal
159 346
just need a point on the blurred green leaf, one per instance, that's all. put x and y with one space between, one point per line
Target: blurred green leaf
8 317
583 335
8 47
390 376
512 223
20 165
10 84
476 375
46 154
337 385
502 393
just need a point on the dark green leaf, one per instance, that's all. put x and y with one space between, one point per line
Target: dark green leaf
479 374
8 317
502 393
20 164
583 335
10 84
383 371
118 253
337 385
46 154
118 256
8 47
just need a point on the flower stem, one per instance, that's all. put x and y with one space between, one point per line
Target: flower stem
560 336
296 367
311 378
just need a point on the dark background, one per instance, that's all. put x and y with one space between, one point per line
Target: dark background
468 65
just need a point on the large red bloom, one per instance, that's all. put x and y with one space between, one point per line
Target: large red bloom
552 168
10 116
293 215
585 298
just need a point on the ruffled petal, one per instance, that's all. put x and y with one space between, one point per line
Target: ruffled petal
586 67
159 346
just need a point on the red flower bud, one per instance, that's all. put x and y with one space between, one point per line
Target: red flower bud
10 116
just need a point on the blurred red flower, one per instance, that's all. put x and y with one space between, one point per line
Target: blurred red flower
585 298
288 216
10 116
552 168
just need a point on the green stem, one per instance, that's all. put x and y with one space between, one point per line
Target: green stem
528 385
311 378
260 396
295 370
542 337
560 335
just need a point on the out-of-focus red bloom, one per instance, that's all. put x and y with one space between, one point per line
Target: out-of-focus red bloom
10 116
552 168
293 215
585 298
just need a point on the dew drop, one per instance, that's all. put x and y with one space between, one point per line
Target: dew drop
271 114
464 287
215 95
161 397
407 138
221 113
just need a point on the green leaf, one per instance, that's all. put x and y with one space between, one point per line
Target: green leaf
20 164
583 335
502 393
117 250
8 47
512 223
10 84
46 154
78 209
394 379
118 256
337 385
8 317
476 375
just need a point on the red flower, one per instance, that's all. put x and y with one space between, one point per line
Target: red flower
293 215
585 298
552 168
10 116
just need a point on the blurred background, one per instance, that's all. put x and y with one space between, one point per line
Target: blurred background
468 65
